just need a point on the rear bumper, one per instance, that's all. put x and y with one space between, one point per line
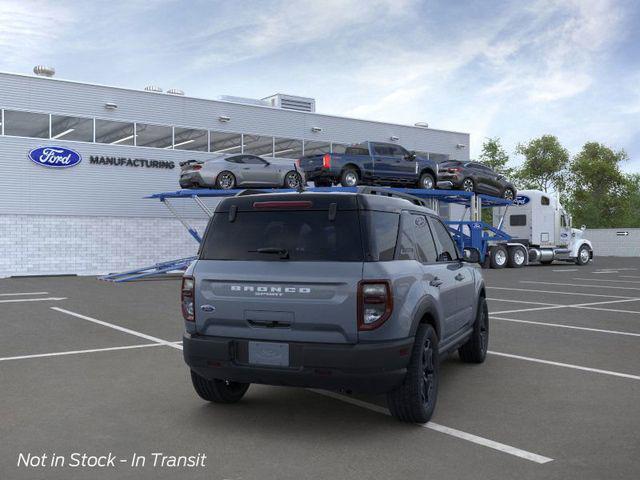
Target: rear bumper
320 173
189 180
365 367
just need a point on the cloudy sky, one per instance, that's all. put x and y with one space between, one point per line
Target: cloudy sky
511 69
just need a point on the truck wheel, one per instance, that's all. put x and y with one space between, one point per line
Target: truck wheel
584 255
218 391
517 257
475 349
499 256
225 180
415 400
426 181
349 177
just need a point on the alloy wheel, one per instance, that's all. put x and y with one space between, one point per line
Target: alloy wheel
226 181
292 180
508 194
467 185
428 373
351 179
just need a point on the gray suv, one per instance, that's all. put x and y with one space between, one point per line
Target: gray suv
357 292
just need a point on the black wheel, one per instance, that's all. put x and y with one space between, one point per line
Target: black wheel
225 180
475 349
350 177
517 257
468 185
415 400
499 256
427 181
292 180
508 194
218 391
584 255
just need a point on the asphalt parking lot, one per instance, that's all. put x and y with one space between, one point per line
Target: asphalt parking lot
95 367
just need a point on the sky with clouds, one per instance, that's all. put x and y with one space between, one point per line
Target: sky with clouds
511 69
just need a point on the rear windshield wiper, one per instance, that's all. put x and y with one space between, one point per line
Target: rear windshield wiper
283 252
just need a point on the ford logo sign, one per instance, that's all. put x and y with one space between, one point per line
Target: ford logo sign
521 200
55 157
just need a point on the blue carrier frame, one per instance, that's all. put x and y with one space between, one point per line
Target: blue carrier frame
468 234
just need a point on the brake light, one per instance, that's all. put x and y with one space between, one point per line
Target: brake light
455 170
298 162
375 303
283 204
196 167
186 298
326 160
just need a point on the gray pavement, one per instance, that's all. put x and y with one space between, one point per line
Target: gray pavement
560 402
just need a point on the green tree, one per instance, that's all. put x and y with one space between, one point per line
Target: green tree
545 164
599 194
494 156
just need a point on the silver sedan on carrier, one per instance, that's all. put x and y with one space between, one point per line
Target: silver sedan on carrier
241 170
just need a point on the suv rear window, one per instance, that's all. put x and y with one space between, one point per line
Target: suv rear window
305 235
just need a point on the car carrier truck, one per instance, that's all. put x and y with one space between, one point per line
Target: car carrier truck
540 231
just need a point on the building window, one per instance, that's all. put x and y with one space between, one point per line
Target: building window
71 128
157 136
190 139
287 148
115 133
338 148
26 124
226 142
257 145
316 148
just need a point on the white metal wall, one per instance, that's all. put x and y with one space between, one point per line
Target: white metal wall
614 242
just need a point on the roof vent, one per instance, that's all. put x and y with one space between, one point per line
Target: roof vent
175 91
244 100
291 102
153 88
43 71
422 124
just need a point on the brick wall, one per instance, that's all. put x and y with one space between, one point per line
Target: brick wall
609 241
46 245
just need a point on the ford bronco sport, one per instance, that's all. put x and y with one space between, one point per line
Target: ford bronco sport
360 292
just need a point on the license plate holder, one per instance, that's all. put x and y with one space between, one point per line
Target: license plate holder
269 353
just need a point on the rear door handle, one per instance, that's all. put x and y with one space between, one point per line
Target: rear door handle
459 277
436 282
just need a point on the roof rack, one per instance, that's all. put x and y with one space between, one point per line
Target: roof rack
386 192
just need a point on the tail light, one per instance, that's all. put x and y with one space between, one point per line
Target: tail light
326 161
196 167
298 162
455 170
375 303
186 298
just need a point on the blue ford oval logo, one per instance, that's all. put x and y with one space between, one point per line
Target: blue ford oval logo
521 200
55 157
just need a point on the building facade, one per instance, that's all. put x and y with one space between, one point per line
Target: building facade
88 215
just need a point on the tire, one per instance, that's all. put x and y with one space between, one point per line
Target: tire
508 194
427 181
225 180
475 349
468 185
517 257
584 255
349 177
499 256
218 391
292 180
415 400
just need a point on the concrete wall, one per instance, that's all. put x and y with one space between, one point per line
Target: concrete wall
611 242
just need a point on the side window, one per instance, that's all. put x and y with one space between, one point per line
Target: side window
253 160
381 150
517 220
383 233
563 221
424 240
406 249
238 159
447 250
397 151
544 201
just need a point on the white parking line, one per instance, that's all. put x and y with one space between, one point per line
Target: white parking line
47 299
566 365
558 293
76 352
629 276
485 442
533 309
521 301
559 325
119 328
581 285
587 306
605 280
566 270
27 293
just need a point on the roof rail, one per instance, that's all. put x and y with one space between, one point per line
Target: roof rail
388 192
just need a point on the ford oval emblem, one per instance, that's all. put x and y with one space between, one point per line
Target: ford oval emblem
521 200
55 157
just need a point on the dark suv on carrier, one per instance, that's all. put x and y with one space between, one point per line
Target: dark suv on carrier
361 292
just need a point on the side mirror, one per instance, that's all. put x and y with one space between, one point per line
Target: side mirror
471 255
411 156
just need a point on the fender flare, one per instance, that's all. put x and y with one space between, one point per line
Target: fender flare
426 306
578 244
